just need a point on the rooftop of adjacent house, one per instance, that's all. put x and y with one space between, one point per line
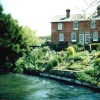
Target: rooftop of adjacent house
75 17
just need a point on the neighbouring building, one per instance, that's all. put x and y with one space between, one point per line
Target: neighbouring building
72 28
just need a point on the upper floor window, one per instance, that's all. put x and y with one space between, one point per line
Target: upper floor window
61 37
73 37
95 36
75 24
59 26
93 25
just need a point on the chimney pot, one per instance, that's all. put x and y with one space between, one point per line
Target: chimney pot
67 13
98 10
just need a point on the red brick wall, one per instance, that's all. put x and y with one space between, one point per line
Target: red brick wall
67 29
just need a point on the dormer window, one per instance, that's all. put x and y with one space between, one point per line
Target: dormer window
59 26
93 24
75 24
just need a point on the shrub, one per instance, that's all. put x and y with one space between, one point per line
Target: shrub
87 78
70 51
61 53
75 48
51 63
96 55
59 58
45 49
95 46
97 62
49 66
54 62
75 66
79 44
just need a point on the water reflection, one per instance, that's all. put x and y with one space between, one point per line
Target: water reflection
23 87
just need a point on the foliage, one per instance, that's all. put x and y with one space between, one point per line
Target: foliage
95 46
75 66
45 49
48 38
59 58
87 78
51 63
61 53
79 44
76 48
70 51
29 36
79 56
14 41
96 55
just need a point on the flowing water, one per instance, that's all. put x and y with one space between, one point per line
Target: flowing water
23 87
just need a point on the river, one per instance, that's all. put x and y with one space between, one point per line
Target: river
24 87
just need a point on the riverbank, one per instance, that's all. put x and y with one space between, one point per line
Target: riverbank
68 77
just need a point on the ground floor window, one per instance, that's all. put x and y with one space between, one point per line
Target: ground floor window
61 37
73 36
87 37
95 36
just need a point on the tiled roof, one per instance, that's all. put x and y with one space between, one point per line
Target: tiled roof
73 17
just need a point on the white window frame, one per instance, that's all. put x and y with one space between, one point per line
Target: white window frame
81 35
61 37
93 24
87 34
75 25
73 39
95 36
59 26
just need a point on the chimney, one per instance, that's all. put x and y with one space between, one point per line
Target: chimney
98 10
67 13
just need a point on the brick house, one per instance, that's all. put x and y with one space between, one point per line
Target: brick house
72 28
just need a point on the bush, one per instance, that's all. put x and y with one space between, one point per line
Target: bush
61 53
81 56
95 46
97 62
96 55
52 63
76 48
74 66
70 51
49 66
87 78
79 44
59 58
45 49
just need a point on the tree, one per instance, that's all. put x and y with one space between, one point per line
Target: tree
14 41
29 36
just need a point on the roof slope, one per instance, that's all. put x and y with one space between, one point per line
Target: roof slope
75 17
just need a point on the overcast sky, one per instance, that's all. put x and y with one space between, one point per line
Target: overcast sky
37 14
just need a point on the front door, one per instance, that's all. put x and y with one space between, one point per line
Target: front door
87 37
81 38
61 37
